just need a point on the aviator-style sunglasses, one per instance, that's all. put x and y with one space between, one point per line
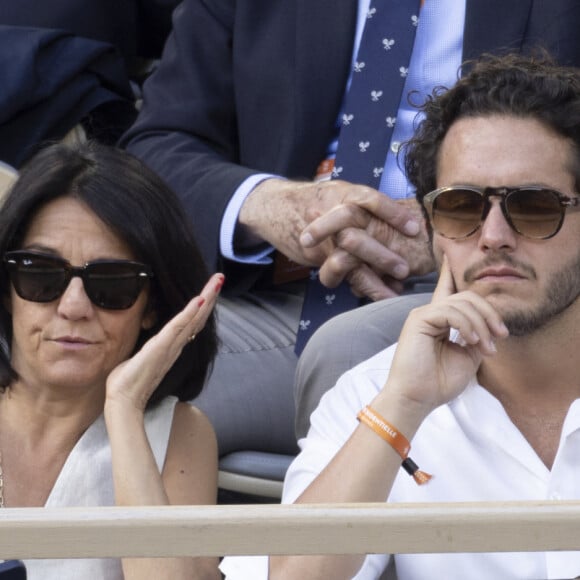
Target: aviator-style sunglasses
534 212
110 284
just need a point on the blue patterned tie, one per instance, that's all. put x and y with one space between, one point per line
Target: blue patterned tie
368 120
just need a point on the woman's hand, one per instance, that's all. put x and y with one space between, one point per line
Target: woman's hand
428 369
135 379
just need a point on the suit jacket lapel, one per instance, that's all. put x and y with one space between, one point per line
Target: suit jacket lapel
324 42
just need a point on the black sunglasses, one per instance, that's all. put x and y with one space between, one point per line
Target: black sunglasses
534 212
110 284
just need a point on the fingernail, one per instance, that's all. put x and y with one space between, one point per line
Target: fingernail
200 301
400 271
306 240
220 283
492 346
411 228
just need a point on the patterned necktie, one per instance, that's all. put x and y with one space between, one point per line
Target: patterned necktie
368 120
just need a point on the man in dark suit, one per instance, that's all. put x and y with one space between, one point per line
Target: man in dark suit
246 98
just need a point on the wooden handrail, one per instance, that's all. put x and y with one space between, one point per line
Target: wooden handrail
293 529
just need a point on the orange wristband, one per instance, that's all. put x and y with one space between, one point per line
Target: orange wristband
395 439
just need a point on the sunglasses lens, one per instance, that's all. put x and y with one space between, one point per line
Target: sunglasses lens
38 279
535 213
114 285
457 213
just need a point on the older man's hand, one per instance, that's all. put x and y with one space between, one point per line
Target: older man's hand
351 232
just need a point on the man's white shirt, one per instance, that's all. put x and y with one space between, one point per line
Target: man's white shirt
475 453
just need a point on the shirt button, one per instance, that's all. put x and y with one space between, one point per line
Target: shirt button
395 146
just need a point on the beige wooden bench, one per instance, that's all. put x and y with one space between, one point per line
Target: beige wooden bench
278 529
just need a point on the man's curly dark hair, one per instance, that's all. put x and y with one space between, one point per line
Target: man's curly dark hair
514 85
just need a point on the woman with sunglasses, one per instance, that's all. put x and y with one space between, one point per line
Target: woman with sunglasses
107 329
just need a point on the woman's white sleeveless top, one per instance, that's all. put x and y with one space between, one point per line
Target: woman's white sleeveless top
86 479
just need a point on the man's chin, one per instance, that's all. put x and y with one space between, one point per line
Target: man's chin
516 312
499 295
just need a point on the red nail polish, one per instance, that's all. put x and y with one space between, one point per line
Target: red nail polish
200 301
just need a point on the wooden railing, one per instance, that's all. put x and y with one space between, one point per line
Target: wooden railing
278 529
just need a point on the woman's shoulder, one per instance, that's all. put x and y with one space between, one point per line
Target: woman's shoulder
191 421
191 466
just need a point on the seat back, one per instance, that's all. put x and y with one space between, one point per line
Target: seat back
12 570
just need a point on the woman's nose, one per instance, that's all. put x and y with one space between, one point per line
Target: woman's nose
74 302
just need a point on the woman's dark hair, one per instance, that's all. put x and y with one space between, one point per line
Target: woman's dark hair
513 85
146 214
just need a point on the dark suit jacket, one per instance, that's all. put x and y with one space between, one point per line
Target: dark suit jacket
69 62
249 86
52 80
137 28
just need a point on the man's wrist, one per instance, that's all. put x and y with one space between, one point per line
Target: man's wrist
234 244
406 413
253 214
